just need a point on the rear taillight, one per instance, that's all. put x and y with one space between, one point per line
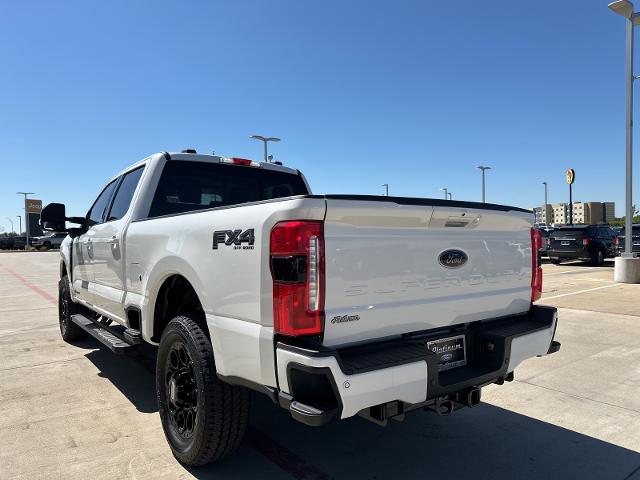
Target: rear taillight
297 268
536 269
586 241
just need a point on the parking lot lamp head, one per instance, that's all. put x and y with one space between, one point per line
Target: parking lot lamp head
265 140
622 7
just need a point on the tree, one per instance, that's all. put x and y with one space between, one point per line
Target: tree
620 221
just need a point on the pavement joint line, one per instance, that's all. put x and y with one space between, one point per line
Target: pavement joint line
31 309
578 310
35 288
6 333
600 402
530 379
62 360
67 415
275 452
564 272
636 470
581 291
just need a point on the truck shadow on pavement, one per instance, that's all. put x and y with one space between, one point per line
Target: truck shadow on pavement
484 442
130 374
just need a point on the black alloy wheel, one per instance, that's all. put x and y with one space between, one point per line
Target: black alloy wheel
181 390
66 308
204 419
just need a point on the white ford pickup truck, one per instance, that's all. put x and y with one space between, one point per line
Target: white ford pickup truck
331 305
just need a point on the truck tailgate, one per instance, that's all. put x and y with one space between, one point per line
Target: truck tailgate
384 275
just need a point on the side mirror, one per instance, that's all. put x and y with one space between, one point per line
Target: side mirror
53 218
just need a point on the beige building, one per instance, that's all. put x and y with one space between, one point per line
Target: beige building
544 214
560 214
583 212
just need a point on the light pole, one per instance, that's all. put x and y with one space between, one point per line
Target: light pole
11 222
26 216
265 140
450 195
20 224
483 184
386 189
627 267
446 192
544 207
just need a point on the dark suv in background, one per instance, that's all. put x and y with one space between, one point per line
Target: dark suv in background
635 239
593 243
13 243
546 235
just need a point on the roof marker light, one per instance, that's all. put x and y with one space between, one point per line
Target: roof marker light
240 161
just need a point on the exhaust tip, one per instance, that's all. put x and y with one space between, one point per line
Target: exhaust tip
473 397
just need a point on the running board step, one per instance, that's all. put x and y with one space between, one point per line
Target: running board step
115 344
132 337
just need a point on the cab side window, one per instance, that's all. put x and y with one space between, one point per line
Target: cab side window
122 199
98 210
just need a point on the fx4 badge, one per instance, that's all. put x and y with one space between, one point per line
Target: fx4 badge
235 238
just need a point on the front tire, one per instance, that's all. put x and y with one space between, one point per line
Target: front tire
69 330
555 261
204 419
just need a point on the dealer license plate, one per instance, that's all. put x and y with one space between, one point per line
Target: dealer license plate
451 350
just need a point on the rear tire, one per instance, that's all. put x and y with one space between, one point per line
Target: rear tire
46 245
597 258
555 261
204 419
69 330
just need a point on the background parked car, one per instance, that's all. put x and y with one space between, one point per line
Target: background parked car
46 242
583 242
546 233
19 243
635 239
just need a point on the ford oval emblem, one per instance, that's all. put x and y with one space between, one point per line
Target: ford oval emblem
446 357
453 258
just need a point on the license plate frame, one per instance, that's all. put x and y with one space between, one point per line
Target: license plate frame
451 350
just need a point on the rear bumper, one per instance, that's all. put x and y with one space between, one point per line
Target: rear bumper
317 385
570 254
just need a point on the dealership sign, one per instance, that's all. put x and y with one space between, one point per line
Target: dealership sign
32 206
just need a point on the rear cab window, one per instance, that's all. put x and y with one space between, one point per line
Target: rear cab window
187 186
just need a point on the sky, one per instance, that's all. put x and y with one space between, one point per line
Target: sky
415 94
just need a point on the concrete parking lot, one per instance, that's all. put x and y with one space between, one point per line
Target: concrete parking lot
80 412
